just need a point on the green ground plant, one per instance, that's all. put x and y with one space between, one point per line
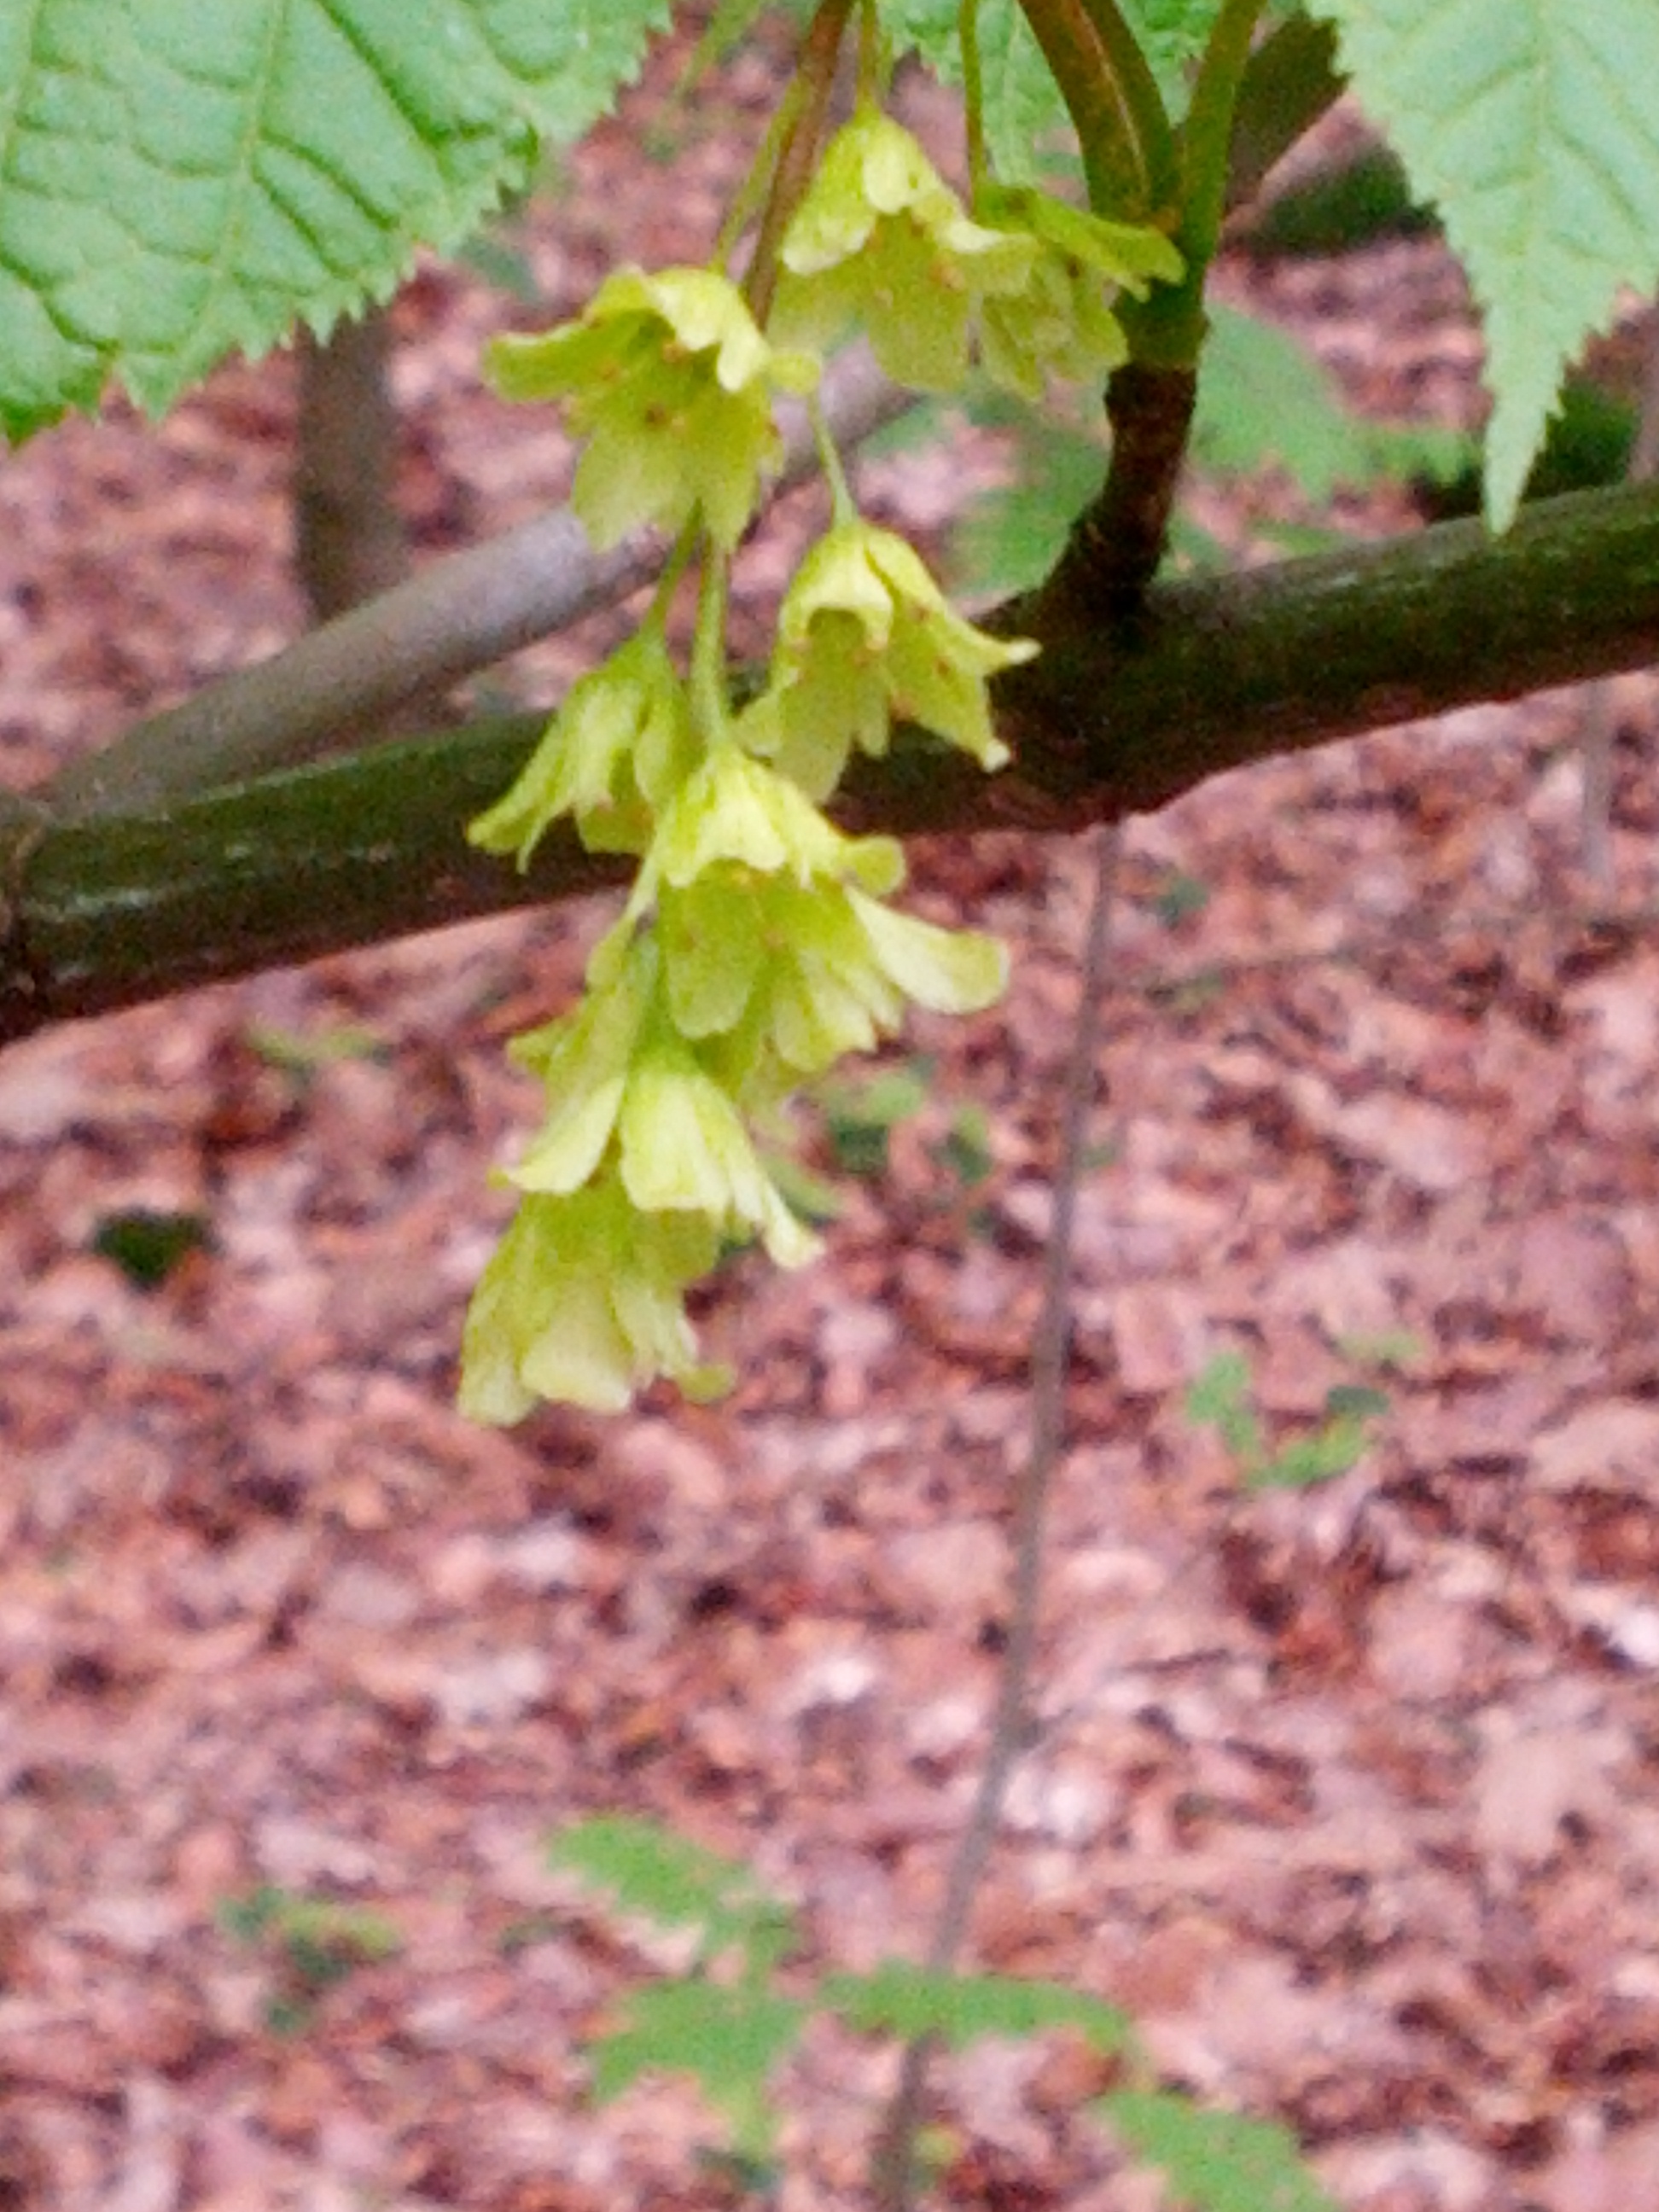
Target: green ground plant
149 1243
859 1114
312 1944
729 2022
1222 1398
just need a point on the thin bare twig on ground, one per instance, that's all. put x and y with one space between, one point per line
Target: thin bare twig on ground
893 2167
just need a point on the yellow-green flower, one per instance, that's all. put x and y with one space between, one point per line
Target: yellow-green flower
881 240
732 835
671 381
685 1149
624 1088
774 947
736 812
582 1301
618 746
1062 324
866 637
855 965
782 979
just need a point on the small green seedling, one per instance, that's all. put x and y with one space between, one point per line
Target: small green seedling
650 1872
1393 1350
1179 897
1214 2161
314 1943
859 1116
964 1150
1221 1398
303 1054
148 1245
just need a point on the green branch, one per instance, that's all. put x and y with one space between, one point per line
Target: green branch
103 913
1117 544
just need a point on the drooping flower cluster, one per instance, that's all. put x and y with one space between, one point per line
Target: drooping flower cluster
758 946
882 243
754 950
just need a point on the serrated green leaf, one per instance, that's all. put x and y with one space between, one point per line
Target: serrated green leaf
1533 127
904 2001
728 2040
179 178
666 1878
1262 400
1215 2161
1026 118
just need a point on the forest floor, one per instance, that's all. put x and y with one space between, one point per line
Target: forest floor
1350 1796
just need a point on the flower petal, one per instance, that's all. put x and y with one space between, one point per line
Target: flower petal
952 971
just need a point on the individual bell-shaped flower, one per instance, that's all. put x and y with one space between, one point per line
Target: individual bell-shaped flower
618 746
619 1070
684 1149
734 830
881 240
866 637
735 811
1062 323
854 965
582 1302
830 972
671 381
